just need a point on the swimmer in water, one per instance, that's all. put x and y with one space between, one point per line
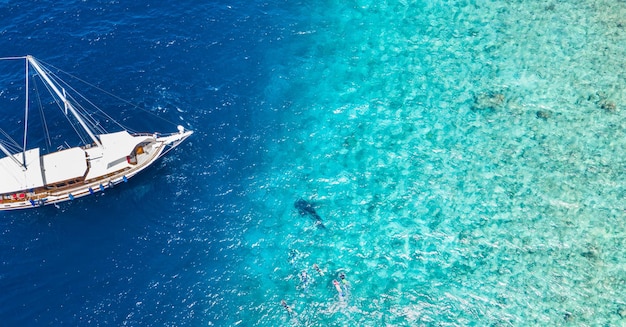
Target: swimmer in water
293 256
338 288
317 268
344 281
304 278
288 308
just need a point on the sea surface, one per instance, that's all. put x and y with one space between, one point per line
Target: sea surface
458 163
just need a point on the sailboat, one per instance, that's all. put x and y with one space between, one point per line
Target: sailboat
29 178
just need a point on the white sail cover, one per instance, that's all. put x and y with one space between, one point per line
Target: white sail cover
64 165
14 178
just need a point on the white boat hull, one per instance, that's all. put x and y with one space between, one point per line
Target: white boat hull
105 170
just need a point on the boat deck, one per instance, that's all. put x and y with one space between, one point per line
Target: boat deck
78 187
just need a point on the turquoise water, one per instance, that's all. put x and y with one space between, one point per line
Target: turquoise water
465 157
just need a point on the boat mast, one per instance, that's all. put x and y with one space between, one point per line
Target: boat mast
25 120
68 105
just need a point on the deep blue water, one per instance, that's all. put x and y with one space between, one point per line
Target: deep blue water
160 250
465 158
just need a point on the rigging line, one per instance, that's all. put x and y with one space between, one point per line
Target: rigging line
8 137
82 139
12 58
68 106
62 108
86 114
44 123
110 94
107 116
103 113
11 148
73 124
95 123
93 117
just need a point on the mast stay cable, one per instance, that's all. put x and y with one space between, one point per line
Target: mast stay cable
108 93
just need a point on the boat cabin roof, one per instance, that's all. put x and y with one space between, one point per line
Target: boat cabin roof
64 165
14 178
111 156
